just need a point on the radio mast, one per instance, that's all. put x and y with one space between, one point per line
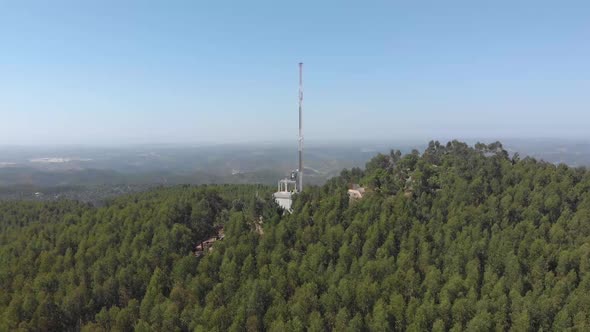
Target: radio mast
300 174
293 184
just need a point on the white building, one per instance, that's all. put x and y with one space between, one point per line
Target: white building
285 190
356 192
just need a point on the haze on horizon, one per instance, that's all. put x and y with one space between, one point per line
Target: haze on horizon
189 72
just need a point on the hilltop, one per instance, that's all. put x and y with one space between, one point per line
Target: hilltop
455 238
93 174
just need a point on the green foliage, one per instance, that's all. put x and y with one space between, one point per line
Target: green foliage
458 238
129 264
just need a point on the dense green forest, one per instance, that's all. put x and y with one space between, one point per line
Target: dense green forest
455 238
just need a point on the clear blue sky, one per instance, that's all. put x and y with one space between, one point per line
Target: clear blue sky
104 72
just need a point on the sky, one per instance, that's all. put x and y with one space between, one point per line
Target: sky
136 72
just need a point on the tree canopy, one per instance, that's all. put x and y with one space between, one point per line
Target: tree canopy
455 238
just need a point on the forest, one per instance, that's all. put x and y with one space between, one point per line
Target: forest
454 238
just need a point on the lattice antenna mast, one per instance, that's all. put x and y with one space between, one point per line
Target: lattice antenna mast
300 175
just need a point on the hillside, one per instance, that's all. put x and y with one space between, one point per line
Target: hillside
454 238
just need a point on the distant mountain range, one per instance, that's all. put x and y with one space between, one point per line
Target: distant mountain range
26 170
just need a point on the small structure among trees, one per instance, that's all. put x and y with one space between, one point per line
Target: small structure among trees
356 191
207 245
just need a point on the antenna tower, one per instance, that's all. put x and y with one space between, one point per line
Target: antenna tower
300 175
